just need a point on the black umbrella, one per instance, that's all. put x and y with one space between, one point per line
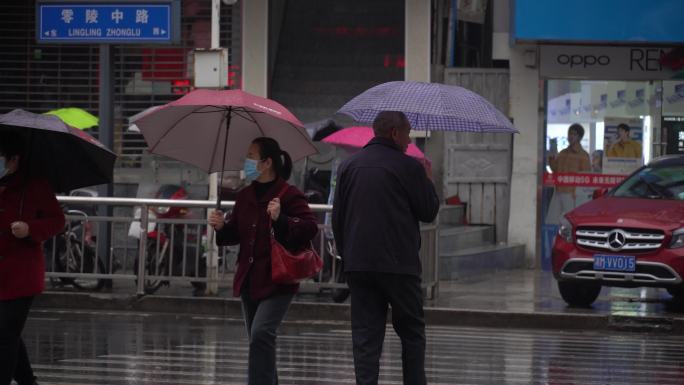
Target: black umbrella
68 157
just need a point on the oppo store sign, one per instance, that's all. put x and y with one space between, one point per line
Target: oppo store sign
604 63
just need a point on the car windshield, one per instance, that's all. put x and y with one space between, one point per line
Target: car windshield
654 183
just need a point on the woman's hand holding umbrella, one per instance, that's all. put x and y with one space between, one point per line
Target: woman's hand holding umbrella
216 219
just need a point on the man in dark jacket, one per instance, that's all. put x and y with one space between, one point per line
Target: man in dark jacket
381 196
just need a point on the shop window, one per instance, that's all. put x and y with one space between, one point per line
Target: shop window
597 132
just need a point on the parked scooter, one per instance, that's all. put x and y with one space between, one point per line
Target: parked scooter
169 244
73 250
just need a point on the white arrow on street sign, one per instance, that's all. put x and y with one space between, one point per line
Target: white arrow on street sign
47 33
163 32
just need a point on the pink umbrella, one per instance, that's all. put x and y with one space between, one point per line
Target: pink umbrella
213 129
358 136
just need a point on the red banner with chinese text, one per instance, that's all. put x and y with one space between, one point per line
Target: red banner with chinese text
582 180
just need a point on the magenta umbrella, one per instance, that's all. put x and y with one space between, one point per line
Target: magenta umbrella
358 136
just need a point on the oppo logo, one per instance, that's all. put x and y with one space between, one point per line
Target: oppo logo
582 60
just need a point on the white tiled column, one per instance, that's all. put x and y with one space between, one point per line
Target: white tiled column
525 100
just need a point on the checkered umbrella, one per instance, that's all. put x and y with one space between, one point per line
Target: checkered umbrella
430 106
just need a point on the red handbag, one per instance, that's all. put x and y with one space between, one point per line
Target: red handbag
288 267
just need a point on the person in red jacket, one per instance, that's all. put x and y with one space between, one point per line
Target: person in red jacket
267 202
29 215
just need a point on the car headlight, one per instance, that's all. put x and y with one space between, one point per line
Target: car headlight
677 239
565 230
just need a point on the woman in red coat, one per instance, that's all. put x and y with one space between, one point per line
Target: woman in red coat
29 215
267 200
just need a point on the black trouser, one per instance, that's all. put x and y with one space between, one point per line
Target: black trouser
370 295
14 361
262 319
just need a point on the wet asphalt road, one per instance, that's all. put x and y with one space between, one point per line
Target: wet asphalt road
77 348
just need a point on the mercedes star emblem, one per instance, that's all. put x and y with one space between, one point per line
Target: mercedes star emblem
617 239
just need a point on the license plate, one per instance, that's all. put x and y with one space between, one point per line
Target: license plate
615 263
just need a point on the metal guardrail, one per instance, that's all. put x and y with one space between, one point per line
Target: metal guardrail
166 250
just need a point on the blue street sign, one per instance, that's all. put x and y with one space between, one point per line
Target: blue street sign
122 22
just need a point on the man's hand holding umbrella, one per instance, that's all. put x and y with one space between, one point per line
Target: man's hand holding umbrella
20 229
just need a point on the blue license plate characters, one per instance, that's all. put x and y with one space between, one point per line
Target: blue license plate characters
615 263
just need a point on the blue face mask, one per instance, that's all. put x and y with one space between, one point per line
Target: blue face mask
250 169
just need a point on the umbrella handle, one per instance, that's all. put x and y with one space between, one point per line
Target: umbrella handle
218 196
223 162
24 168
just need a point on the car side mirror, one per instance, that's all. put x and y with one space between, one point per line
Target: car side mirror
599 192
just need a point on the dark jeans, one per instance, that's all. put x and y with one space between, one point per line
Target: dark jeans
262 318
14 361
371 293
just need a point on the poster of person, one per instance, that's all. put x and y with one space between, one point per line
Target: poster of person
674 126
572 159
622 145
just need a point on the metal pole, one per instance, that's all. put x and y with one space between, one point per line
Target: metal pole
215 23
435 259
106 136
214 182
142 248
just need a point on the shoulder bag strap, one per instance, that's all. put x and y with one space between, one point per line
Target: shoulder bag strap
282 191
279 195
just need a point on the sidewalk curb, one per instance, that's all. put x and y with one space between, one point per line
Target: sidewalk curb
231 308
507 319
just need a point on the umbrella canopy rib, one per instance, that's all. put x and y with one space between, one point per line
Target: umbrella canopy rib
207 109
216 142
169 129
261 130
226 118
246 117
300 132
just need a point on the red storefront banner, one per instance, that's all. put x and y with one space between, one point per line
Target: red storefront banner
582 180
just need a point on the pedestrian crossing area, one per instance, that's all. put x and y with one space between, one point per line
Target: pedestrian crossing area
119 348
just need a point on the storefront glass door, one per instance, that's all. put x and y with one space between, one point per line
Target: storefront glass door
597 132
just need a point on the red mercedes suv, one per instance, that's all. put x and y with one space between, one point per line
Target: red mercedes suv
631 236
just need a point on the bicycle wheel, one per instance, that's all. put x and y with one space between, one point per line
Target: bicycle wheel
155 264
81 259
58 265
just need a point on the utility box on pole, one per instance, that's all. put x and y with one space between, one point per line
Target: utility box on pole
211 68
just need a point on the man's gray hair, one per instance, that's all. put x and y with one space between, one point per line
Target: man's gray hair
387 120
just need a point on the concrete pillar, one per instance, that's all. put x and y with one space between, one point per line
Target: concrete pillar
417 40
525 101
255 47
417 54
